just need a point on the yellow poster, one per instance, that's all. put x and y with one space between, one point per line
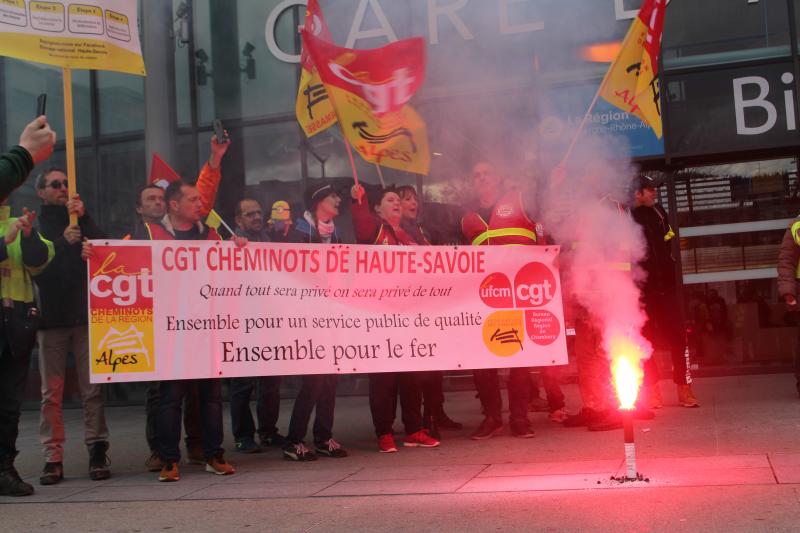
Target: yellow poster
92 35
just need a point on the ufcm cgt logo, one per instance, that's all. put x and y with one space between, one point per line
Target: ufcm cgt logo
121 298
506 332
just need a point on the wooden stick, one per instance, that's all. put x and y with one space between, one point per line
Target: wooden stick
380 175
352 161
69 140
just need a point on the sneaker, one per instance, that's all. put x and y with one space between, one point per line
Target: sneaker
98 462
247 446
195 456
217 465
606 421
558 416
298 452
169 472
522 430
686 397
274 440
421 439
653 398
488 429
10 482
538 405
52 474
386 443
153 463
330 448
583 418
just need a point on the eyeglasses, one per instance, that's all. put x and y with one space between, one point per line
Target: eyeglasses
251 214
57 184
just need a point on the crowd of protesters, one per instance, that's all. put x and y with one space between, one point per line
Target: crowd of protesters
53 256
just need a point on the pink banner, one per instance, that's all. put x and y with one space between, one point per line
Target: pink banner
167 310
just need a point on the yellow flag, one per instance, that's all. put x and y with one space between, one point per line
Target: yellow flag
313 107
213 220
631 82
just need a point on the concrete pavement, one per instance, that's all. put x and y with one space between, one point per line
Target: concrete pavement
733 464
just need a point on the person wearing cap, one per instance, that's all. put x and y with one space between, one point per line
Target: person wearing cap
317 391
280 221
664 326
380 223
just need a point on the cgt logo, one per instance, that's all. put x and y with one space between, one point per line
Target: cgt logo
122 278
505 331
534 286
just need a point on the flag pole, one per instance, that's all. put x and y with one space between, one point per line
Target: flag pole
69 140
352 161
380 175
577 135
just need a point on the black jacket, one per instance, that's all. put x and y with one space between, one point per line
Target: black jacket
62 285
658 262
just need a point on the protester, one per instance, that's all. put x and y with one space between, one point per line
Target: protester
499 219
433 415
183 221
280 221
318 391
664 327
250 224
35 145
788 276
23 252
64 329
382 226
151 209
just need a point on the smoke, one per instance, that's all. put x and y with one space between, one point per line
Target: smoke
583 209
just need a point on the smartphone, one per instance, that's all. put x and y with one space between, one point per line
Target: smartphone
219 131
41 104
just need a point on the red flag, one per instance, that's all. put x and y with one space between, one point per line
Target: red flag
162 174
370 91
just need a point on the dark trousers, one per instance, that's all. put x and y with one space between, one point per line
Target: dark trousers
317 391
268 403
664 329
432 393
487 384
191 417
384 389
552 387
169 416
13 375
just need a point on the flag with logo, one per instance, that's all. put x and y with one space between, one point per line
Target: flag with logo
631 82
313 107
370 90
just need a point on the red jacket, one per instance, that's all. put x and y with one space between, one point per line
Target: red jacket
371 229
508 224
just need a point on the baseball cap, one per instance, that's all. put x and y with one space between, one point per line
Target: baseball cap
646 182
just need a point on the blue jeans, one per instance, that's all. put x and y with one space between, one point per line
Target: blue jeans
169 416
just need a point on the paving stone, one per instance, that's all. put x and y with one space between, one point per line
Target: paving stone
607 467
257 490
422 473
535 483
393 486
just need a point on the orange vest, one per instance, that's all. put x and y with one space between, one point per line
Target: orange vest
507 225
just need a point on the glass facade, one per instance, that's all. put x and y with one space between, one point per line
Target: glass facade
507 75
